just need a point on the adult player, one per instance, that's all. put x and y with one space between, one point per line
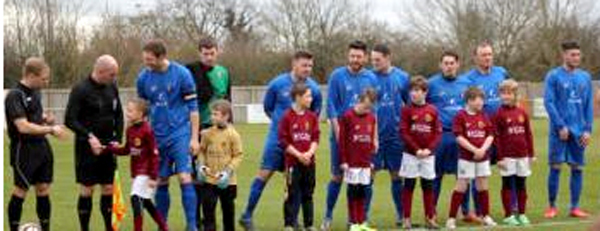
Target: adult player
277 100
95 115
487 77
568 99
212 83
345 83
30 153
392 87
171 92
446 90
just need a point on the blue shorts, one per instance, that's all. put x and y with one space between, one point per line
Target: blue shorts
389 155
446 155
272 158
175 156
335 157
569 152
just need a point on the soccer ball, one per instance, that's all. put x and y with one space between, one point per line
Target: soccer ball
30 227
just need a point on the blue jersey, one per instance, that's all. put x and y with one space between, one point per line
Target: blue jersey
172 97
447 95
392 91
277 98
490 84
568 99
344 89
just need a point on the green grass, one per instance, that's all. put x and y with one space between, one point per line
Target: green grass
269 213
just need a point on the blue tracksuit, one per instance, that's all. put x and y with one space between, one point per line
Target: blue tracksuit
489 83
171 96
568 99
277 100
447 96
392 90
344 89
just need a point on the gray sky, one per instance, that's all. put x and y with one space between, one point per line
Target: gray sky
382 10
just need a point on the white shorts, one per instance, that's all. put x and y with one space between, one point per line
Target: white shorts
140 187
358 176
413 167
516 166
471 170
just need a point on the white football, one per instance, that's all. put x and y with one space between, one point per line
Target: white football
30 227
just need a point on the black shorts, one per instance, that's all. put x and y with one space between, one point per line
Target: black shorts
32 163
91 169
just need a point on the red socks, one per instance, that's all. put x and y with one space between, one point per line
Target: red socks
457 198
428 203
522 200
407 195
483 198
506 202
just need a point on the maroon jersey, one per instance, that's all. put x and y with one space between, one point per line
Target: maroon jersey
475 128
299 131
141 145
420 128
513 133
357 139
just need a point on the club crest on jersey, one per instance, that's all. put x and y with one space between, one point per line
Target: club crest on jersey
414 117
307 126
356 127
481 124
137 142
521 119
428 118
294 126
508 120
369 128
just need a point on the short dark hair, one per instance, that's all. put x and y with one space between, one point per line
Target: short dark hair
222 106
207 43
449 54
358 45
35 66
382 48
298 89
472 93
156 46
570 45
302 54
368 94
140 104
419 82
482 44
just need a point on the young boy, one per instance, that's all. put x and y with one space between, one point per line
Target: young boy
141 145
514 142
220 154
358 143
299 136
475 135
421 132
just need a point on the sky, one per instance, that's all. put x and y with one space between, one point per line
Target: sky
382 10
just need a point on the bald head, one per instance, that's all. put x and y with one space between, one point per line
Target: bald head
105 69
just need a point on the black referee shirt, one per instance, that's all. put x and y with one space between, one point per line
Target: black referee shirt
95 108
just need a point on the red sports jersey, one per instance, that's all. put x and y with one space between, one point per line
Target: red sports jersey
357 139
420 128
299 131
475 128
513 133
141 145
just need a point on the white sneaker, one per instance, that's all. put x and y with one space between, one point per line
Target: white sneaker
488 221
451 223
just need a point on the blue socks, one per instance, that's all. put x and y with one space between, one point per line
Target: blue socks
163 200
553 180
476 204
333 191
255 192
575 186
368 198
437 187
396 195
189 201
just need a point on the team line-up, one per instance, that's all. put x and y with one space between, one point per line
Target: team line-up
380 120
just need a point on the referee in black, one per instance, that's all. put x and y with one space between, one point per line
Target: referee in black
30 153
95 115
